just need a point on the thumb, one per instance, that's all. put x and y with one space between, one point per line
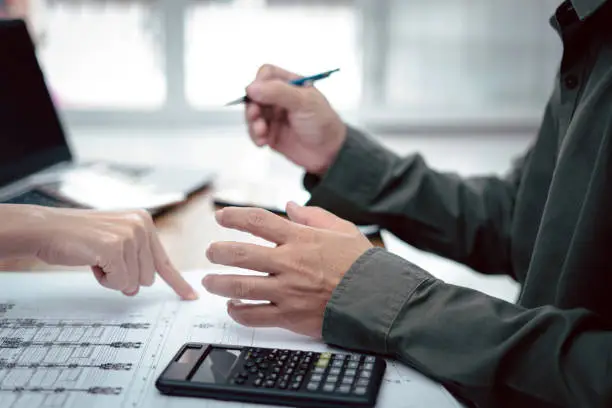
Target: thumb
277 93
317 218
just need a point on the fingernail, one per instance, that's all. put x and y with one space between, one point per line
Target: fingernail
254 90
193 295
218 215
131 292
234 303
206 281
209 255
292 205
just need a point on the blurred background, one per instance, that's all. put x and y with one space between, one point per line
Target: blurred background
464 82
404 62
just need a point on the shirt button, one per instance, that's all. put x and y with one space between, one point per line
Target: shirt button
571 82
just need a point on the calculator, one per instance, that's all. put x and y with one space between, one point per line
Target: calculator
273 376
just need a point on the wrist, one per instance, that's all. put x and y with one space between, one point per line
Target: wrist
23 231
336 138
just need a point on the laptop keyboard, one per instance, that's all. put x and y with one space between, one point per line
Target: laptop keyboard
36 197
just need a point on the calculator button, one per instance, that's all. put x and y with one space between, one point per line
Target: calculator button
301 371
368 366
355 357
344 389
309 354
350 372
269 383
259 360
283 357
323 363
292 365
276 369
260 375
348 380
296 386
299 378
289 371
352 364
249 364
334 371
258 382
338 363
365 374
264 366
312 386
307 360
273 377
316 377
332 379
295 359
370 359
286 377
340 357
326 355
329 387
363 382
282 385
360 390
318 370
253 370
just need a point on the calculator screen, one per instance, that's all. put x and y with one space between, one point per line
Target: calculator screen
217 366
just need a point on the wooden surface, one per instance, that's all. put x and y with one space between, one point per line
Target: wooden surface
186 231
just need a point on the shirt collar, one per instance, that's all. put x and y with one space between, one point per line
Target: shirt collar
584 8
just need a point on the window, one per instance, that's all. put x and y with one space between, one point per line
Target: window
179 61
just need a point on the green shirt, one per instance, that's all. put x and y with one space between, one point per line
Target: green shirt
547 224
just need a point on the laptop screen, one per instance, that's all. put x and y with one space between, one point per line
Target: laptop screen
31 135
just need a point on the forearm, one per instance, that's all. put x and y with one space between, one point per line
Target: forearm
467 220
21 229
488 351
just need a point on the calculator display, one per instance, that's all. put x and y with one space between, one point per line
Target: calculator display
217 366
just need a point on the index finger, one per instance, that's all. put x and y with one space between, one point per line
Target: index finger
268 71
256 221
168 272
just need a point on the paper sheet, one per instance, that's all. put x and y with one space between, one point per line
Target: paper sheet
66 342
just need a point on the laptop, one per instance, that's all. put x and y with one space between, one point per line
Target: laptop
37 165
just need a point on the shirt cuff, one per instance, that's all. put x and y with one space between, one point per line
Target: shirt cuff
354 178
366 303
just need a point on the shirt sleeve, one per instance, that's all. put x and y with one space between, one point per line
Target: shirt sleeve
484 350
467 220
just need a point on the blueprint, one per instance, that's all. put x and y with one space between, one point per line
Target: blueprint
67 343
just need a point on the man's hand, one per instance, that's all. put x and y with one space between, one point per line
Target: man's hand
122 248
298 122
315 249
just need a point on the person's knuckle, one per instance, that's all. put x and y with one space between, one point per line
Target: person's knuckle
144 217
238 255
265 70
256 218
128 239
304 236
243 289
113 242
